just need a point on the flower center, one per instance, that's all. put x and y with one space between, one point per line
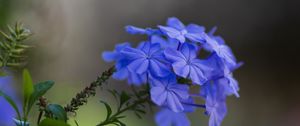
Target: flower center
183 32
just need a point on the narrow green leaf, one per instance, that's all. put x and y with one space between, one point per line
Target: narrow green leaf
124 98
39 90
77 124
27 88
108 109
57 111
11 102
121 123
52 122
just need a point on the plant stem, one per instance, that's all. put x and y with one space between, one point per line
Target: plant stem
111 118
81 97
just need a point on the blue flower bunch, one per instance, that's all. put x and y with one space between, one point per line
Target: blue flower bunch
173 60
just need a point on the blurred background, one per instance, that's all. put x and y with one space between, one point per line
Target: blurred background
71 34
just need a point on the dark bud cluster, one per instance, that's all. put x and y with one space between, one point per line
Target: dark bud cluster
81 97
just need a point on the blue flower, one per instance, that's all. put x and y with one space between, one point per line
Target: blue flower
169 43
167 117
167 92
217 45
136 30
232 84
110 56
215 97
186 64
121 65
147 57
174 51
177 30
7 112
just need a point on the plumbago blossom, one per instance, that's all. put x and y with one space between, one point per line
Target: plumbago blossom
7 112
169 62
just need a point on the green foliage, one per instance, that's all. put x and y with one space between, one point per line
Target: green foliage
28 89
11 102
127 102
82 97
53 122
12 47
57 112
39 90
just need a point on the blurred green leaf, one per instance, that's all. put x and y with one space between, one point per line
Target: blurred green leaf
108 109
124 98
57 112
39 90
11 102
52 122
27 87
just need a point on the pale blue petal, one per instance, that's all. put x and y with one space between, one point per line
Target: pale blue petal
109 56
139 65
158 95
135 30
180 90
196 37
146 47
166 117
158 69
121 74
181 69
188 51
174 103
136 79
193 28
171 32
155 48
225 53
132 53
158 39
180 38
175 23
197 76
174 55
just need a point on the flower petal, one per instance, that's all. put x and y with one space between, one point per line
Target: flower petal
135 30
197 75
175 23
180 90
196 37
171 32
158 95
188 51
139 65
132 53
174 55
109 56
158 69
193 28
174 103
181 69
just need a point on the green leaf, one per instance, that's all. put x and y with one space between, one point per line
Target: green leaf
124 98
108 109
57 111
11 102
39 90
52 122
27 87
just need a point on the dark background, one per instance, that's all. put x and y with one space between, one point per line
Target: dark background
264 34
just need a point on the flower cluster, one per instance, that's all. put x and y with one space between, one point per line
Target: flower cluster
174 59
